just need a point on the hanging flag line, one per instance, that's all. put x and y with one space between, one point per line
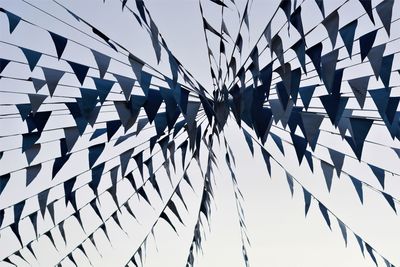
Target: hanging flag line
338 48
160 214
199 90
97 197
206 193
76 86
80 150
213 77
346 173
242 19
87 47
268 26
131 196
324 209
346 57
85 134
220 51
90 67
80 19
163 210
83 149
262 34
239 209
366 141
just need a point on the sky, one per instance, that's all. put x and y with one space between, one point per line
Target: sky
279 233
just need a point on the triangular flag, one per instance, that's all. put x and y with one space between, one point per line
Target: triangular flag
324 212
375 56
103 61
337 159
314 53
368 8
36 100
328 66
32 57
311 123
385 10
52 77
13 20
327 169
79 70
3 64
103 88
359 86
60 42
331 24
366 42
126 85
347 33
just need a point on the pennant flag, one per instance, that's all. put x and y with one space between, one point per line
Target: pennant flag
103 88
37 83
36 100
331 24
386 69
359 87
152 104
60 43
324 212
295 20
390 200
358 186
337 159
31 173
3 182
94 153
347 33
290 183
327 169
32 57
306 94
154 40
299 47
307 200
126 85
52 77
3 64
366 42
79 70
375 56
42 198
103 61
300 145
343 229
320 4
368 8
13 20
314 54
328 67
277 48
379 174
385 10
311 123
360 128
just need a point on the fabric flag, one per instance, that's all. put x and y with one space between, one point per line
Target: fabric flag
32 57
347 33
52 77
103 61
79 70
60 43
